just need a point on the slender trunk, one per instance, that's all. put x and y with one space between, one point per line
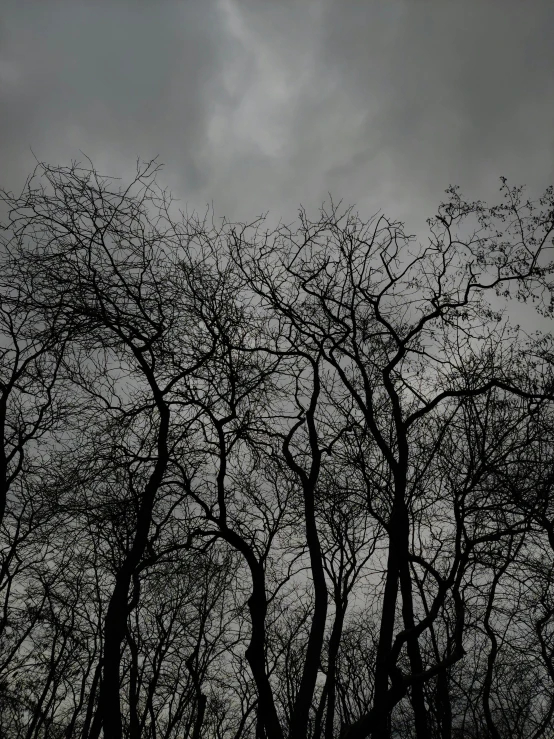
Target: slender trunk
96 727
442 707
152 685
318 721
255 655
115 624
192 666
90 707
445 707
134 723
386 631
331 682
301 711
70 730
491 659
414 653
199 721
40 710
114 633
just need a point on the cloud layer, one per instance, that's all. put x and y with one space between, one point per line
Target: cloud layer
258 105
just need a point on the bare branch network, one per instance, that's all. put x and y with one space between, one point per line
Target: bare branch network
289 483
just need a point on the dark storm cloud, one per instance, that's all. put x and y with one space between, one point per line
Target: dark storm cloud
258 105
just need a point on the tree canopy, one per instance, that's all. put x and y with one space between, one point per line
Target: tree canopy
278 483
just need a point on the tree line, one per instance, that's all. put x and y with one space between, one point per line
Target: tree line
273 482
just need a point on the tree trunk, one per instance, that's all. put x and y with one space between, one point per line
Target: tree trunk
334 644
414 653
115 624
386 631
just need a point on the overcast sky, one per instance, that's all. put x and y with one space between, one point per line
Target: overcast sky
262 104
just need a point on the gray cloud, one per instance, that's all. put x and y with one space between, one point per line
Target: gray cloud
463 89
258 104
115 79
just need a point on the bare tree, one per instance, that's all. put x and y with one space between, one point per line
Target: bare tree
406 333
289 483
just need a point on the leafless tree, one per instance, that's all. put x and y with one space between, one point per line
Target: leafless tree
286 483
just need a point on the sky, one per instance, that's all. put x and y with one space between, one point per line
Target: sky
260 105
